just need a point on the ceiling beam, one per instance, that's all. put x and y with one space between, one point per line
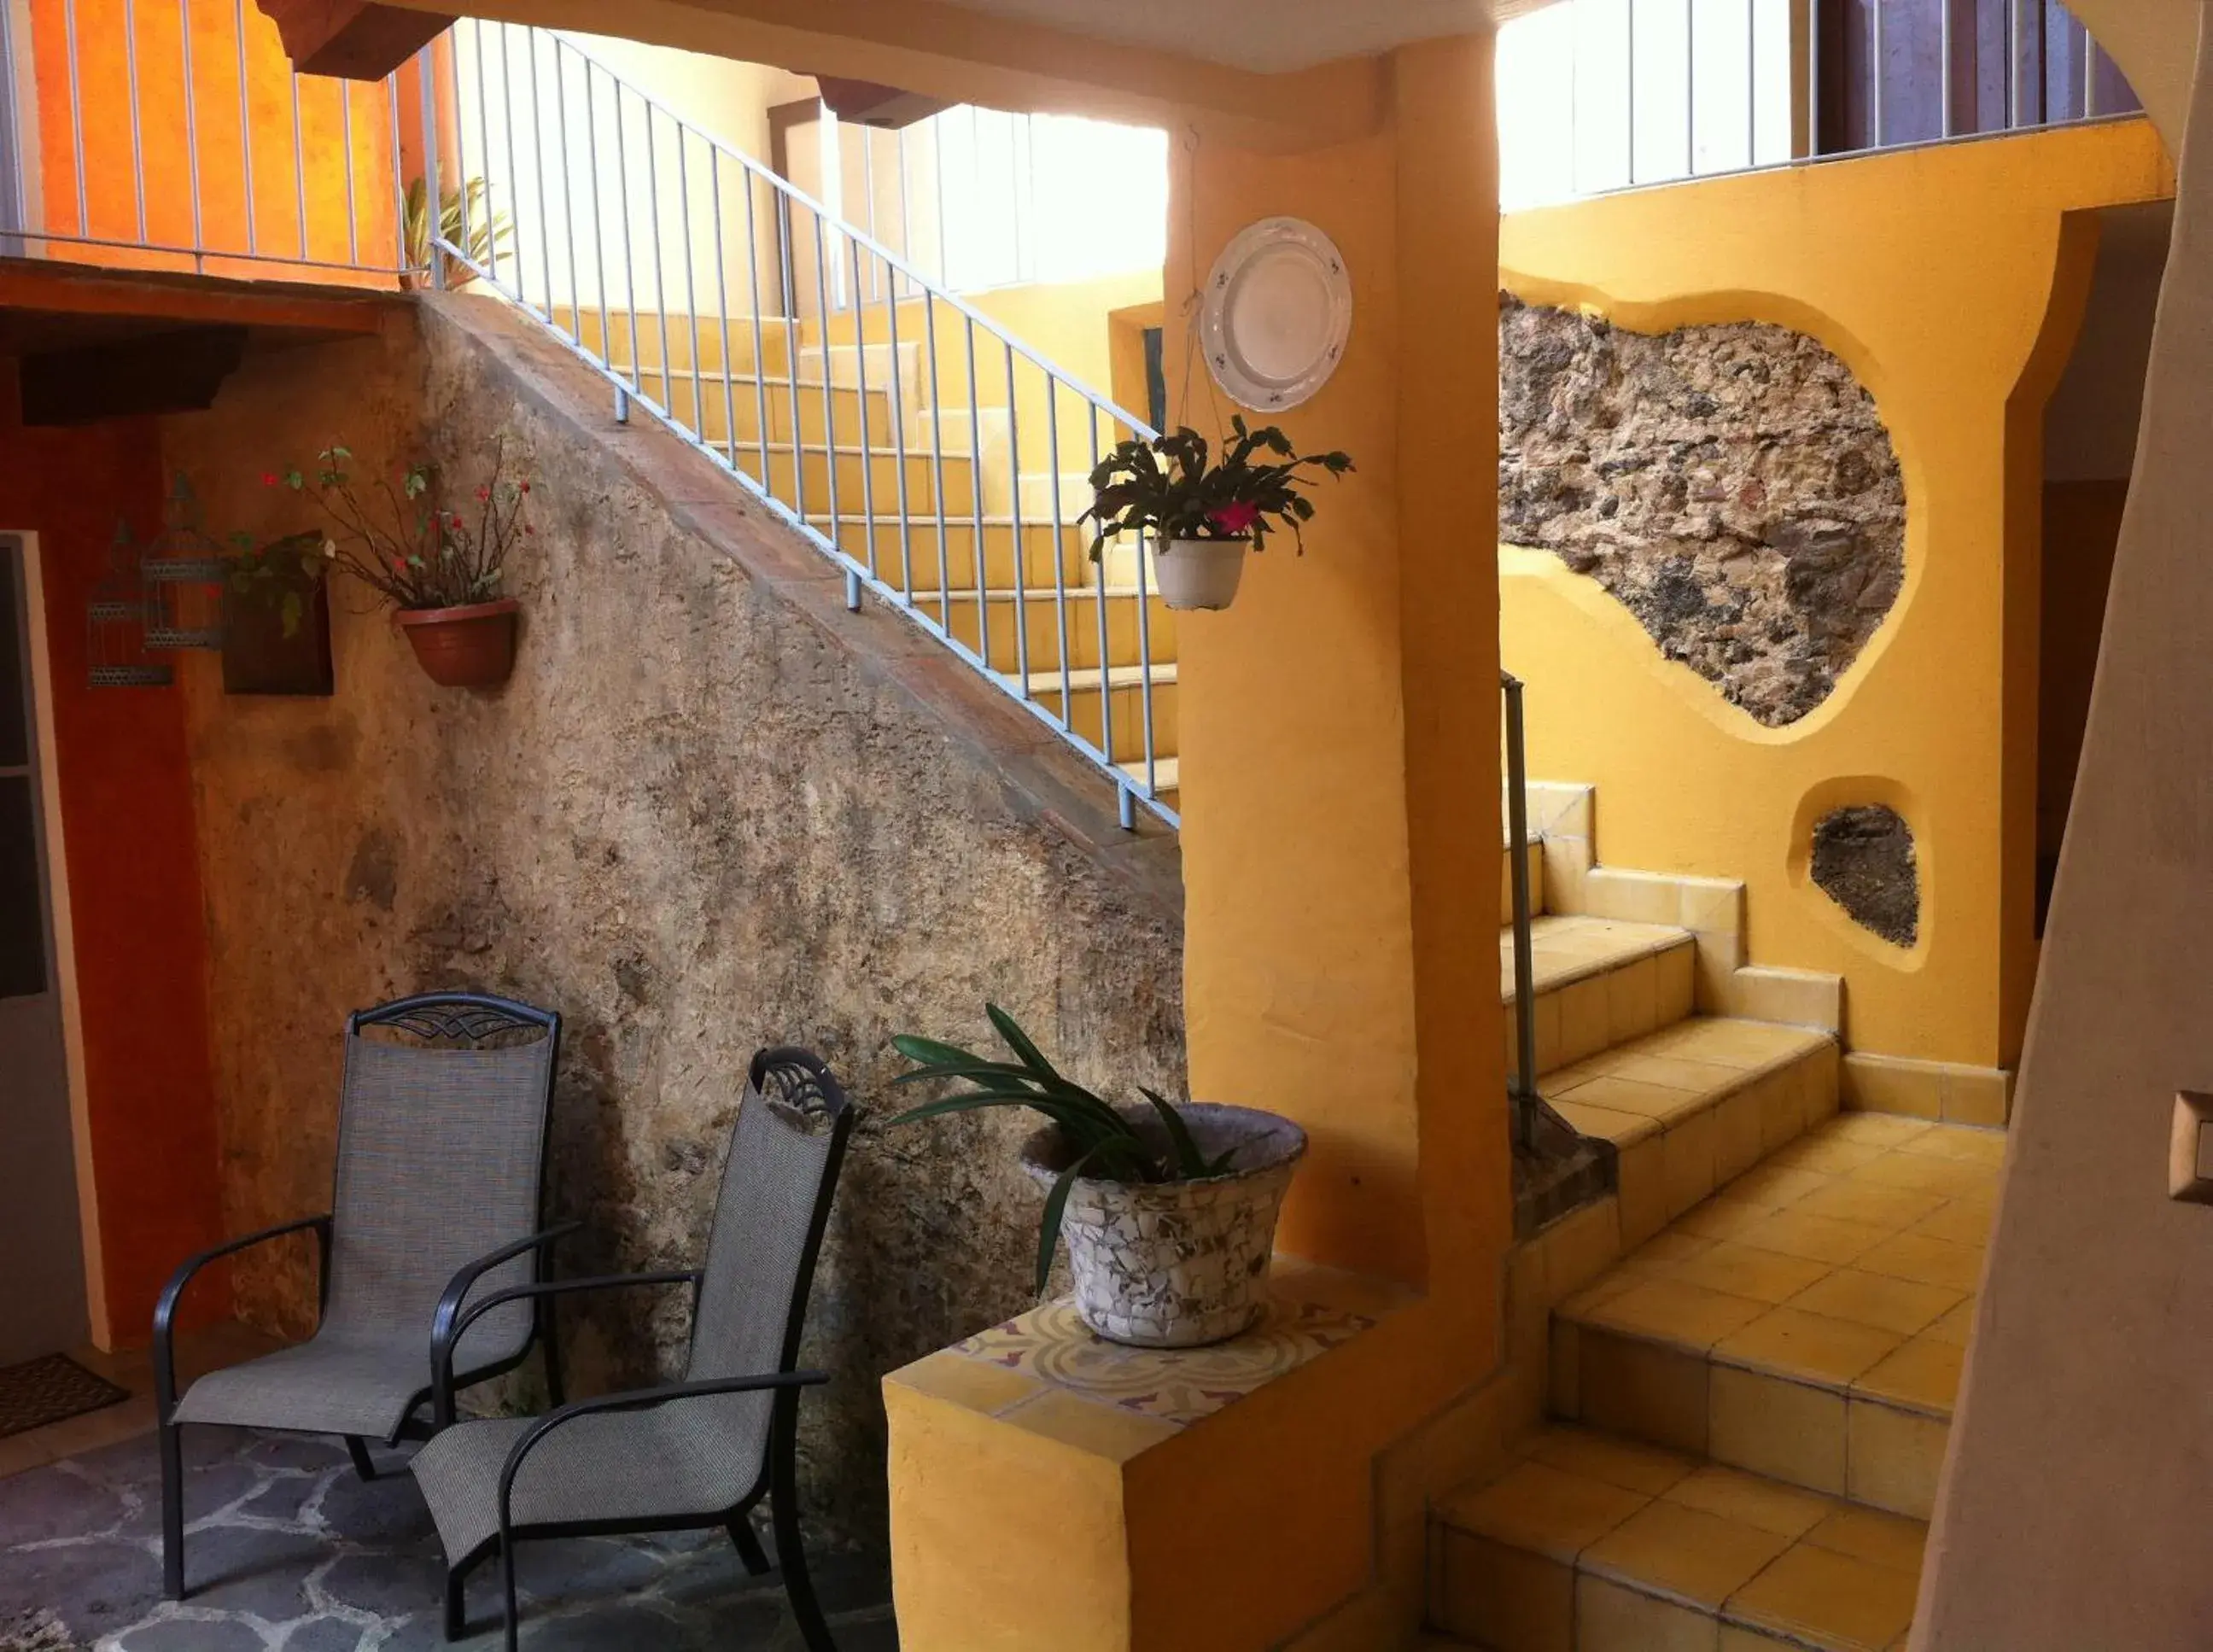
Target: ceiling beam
351 39
156 373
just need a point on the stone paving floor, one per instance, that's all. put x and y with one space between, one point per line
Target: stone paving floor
288 1551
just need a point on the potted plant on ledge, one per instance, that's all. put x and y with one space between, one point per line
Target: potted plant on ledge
1169 1212
439 568
1202 512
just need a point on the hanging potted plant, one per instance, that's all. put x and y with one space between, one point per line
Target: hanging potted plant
1169 1212
1202 512
276 616
439 568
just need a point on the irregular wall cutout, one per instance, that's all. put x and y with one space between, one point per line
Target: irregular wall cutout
1863 860
1733 485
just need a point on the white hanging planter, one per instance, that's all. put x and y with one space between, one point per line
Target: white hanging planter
1199 573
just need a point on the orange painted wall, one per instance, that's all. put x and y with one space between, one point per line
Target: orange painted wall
339 230
134 889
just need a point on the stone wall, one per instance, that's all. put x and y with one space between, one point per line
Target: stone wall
712 810
1732 484
1863 859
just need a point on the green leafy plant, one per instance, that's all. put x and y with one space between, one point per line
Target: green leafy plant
466 220
1176 488
1103 1140
283 571
401 537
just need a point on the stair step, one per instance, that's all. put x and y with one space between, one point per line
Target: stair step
1589 1543
1167 773
1808 1321
1600 983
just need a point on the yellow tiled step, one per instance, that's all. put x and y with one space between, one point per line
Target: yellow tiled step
1167 771
1534 852
1808 1321
1125 700
931 568
1042 617
1695 1105
1589 1543
1600 983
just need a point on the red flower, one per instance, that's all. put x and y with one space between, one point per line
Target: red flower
484 493
398 566
1234 518
269 478
526 487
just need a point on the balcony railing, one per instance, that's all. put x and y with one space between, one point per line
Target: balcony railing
174 135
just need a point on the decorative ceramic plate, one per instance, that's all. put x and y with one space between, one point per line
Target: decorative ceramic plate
1278 309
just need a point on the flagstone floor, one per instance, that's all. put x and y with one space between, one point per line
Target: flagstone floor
289 1550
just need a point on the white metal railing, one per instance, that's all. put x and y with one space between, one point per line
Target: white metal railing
1600 95
936 459
173 134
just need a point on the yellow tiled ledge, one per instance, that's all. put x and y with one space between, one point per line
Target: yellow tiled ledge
1955 1093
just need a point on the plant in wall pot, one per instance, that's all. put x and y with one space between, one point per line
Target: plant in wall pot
1204 510
439 567
1169 1212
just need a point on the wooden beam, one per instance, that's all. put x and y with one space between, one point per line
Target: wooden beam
175 372
351 39
66 290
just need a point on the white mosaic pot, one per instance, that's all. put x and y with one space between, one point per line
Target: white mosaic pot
1198 573
1177 1265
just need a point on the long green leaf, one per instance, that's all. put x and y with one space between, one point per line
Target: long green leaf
971 1101
1018 1042
1056 1205
931 1052
1188 1158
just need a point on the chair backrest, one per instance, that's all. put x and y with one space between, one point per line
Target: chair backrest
441 1157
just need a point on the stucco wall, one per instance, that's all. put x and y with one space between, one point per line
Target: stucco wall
711 810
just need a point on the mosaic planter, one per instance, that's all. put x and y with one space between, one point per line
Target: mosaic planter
1177 1265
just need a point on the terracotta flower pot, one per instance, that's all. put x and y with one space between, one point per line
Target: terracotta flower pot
1181 1263
468 647
1199 573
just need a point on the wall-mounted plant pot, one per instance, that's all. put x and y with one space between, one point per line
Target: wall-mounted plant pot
260 657
468 647
1199 573
1181 1263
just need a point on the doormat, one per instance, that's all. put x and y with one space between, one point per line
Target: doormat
42 1391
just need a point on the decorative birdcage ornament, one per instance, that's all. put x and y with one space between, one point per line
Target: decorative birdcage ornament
182 574
115 624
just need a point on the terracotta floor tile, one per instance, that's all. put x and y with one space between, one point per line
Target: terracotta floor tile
1923 1374
1957 1142
1612 1618
1670 1246
1893 1457
1829 1157
1796 1232
1809 1346
1891 1540
1926 1261
1955 1327
1882 1129
1751 1500
1743 1045
1722 1217
1687 1315
1949 1177
1537 1506
1619 1095
1898 1305
1962 1222
1832 1599
1774 1427
1624 1463
1746 1271
1888 1208
1619 1128
1777 1186
1680 1073
1685 1552
1498 1595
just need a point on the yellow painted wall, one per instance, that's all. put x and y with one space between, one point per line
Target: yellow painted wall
1951 281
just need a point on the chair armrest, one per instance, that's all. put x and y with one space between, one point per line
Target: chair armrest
447 1331
633 1400
164 1307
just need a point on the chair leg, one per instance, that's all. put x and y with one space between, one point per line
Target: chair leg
457 1610
750 1551
507 1584
358 1450
791 1556
550 1347
173 1512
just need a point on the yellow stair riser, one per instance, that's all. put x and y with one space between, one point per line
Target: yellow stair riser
707 408
614 340
1041 621
925 569
1128 710
866 485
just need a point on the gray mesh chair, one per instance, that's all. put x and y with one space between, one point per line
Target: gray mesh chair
436 1201
697 1453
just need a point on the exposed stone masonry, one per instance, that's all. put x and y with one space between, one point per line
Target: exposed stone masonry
1863 859
1732 484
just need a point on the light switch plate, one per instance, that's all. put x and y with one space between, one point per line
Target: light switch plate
2189 1153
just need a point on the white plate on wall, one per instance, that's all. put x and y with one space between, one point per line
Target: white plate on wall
1276 312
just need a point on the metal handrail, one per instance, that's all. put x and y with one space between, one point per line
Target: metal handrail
1522 1084
812 252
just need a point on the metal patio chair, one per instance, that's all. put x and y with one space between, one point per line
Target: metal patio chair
697 1453
435 1202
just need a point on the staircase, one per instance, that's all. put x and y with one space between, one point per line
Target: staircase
934 457
1748 1403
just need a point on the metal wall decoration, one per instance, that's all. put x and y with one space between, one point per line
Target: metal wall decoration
115 624
182 573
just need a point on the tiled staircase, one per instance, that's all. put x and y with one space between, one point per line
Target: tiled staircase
929 503
1752 1350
